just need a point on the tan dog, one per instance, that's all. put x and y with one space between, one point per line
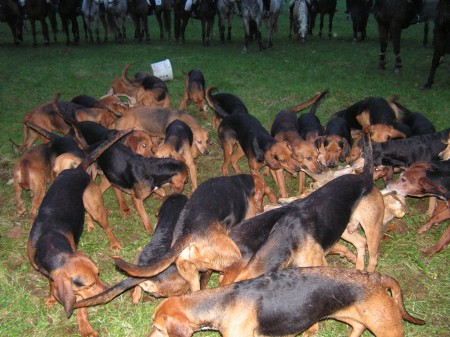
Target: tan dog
156 120
279 304
285 128
140 142
32 171
148 90
194 91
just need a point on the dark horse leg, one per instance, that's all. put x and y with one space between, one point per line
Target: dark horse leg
330 23
396 32
383 33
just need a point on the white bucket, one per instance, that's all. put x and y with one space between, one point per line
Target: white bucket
163 70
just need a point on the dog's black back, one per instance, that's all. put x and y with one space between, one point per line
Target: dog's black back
182 131
123 167
222 199
284 121
196 77
229 104
404 152
161 241
339 126
379 110
251 135
309 123
61 215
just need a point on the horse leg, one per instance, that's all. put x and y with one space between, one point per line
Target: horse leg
396 32
167 19
53 24
65 28
222 27
321 24
330 24
33 31
183 27
124 30
145 24
259 35
246 34
75 30
230 19
45 31
383 35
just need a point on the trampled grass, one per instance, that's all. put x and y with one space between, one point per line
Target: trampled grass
267 82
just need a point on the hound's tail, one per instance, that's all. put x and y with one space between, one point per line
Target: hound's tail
100 149
47 134
159 266
111 293
397 295
318 101
368 155
213 104
312 100
82 143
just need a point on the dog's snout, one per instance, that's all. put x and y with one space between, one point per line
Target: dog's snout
206 153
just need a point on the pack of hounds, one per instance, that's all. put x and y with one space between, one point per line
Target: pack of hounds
269 248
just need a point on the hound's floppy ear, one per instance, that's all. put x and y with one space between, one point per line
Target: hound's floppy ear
177 325
345 150
271 159
64 292
319 141
431 188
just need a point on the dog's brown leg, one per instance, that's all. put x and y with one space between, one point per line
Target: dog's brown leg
18 200
238 154
360 244
136 295
227 152
37 187
51 299
189 160
218 253
139 204
279 181
432 204
189 272
301 182
370 213
93 203
124 209
89 222
440 245
84 325
437 218
343 251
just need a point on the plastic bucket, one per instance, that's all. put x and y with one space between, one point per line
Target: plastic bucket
163 70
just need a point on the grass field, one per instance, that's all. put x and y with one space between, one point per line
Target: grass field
267 82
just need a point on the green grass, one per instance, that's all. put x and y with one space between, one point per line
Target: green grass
267 82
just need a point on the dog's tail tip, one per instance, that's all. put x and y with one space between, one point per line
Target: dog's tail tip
56 97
